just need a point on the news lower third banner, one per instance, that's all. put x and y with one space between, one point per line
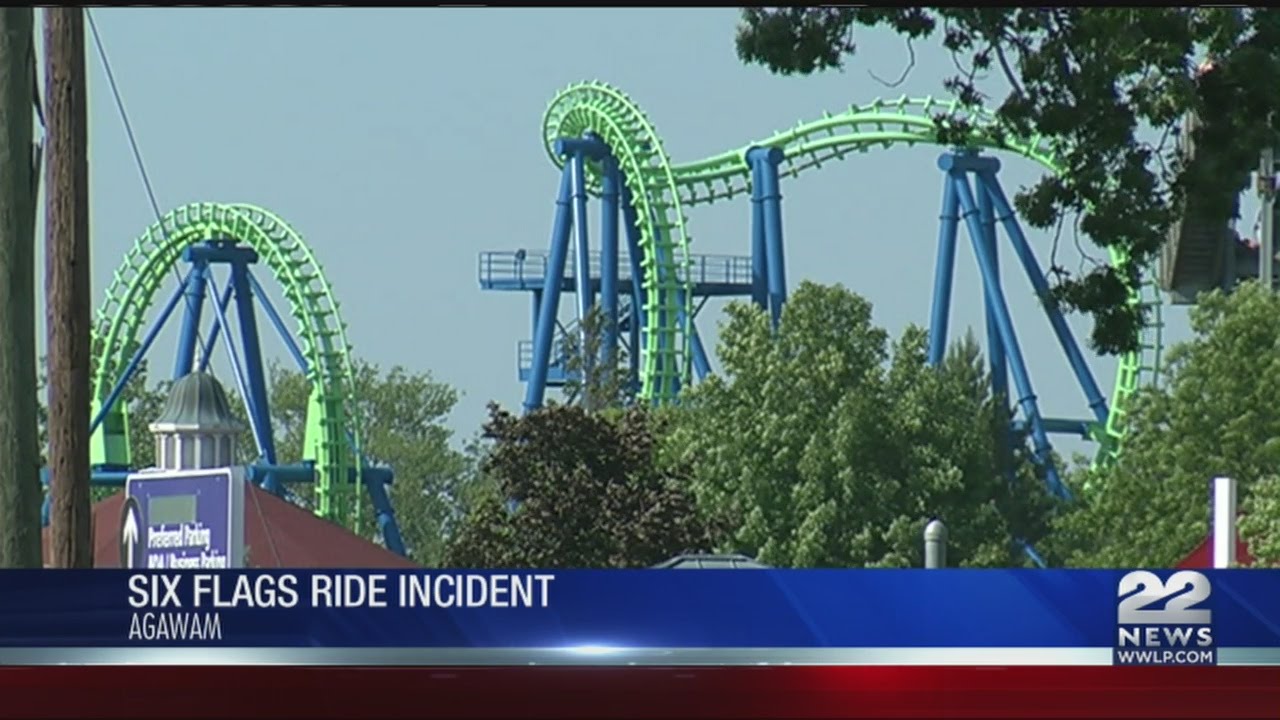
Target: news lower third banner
642 617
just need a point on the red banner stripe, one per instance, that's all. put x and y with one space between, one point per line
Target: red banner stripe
320 693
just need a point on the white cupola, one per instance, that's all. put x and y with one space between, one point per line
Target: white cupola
196 429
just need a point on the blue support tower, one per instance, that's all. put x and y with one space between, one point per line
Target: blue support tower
245 358
972 192
618 282
766 230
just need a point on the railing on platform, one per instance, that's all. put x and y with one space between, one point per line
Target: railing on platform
526 267
559 353
558 372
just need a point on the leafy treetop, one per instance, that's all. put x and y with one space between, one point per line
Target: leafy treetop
1216 416
824 445
574 488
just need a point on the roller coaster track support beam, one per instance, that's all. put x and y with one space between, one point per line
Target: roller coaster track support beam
768 269
982 211
255 371
189 336
582 270
610 197
545 330
588 163
252 371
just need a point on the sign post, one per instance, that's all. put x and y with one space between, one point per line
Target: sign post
183 519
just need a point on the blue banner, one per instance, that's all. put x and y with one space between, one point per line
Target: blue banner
642 608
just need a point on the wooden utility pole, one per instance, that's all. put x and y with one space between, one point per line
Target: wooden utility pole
19 432
67 286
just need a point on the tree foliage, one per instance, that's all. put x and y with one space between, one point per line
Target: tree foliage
598 385
1217 415
403 416
824 447
572 488
1260 524
1094 81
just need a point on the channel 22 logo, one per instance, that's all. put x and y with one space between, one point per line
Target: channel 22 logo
1183 590
1177 633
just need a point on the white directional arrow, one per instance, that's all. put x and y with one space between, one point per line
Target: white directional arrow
131 528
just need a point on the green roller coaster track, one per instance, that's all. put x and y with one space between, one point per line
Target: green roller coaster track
661 190
333 429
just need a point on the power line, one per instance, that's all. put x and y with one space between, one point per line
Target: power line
136 150
124 116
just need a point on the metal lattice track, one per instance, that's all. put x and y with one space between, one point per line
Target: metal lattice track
661 186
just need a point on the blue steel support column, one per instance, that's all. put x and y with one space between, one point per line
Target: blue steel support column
995 349
759 247
237 370
544 334
609 262
278 322
992 289
771 200
630 223
943 272
189 338
131 367
995 346
211 342
255 374
536 310
382 508
701 361
582 259
582 273
1004 212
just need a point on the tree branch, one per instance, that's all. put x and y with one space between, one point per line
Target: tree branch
911 63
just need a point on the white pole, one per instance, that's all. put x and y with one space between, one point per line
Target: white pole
1224 522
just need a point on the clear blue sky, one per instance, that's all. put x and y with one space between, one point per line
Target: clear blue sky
401 143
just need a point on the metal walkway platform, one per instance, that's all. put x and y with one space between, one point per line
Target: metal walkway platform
525 270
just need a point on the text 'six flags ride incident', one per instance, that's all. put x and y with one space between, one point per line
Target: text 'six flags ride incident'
654 617
659 643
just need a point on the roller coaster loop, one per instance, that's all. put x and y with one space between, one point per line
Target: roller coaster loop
238 236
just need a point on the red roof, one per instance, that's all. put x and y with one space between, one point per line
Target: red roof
278 534
1202 556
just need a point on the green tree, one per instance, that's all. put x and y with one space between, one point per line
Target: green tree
1216 415
599 386
1092 81
403 415
821 446
1260 525
577 489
